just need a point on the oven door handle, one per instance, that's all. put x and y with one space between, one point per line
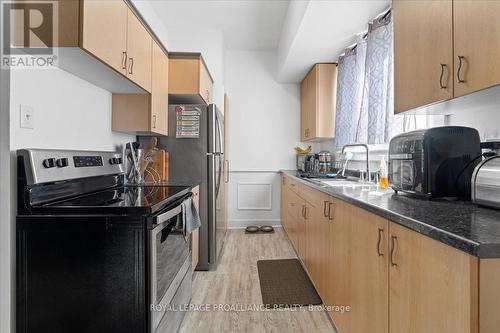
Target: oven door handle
168 215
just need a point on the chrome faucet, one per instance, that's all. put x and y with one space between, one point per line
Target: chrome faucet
367 157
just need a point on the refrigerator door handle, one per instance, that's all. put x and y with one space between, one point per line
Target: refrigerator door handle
219 132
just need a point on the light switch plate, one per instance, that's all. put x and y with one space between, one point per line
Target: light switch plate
27 116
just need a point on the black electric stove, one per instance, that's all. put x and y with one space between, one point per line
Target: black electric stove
94 254
129 199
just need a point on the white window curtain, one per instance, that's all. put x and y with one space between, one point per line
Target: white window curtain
365 92
351 73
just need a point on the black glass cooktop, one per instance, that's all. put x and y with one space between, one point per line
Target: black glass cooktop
147 199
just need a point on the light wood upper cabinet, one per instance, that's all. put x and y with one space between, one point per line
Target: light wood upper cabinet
444 49
433 287
318 92
159 91
104 31
145 114
423 48
477 43
139 49
189 79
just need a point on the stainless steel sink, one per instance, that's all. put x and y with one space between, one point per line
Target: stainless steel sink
344 183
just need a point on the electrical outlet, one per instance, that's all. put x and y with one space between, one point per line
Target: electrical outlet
27 116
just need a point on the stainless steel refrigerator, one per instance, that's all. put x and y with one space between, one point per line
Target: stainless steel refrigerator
196 153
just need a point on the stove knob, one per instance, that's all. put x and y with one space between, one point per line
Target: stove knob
62 162
113 161
49 163
119 160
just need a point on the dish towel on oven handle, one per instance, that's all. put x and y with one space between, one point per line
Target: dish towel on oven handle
190 217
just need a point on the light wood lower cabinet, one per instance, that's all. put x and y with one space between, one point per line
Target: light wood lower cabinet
393 279
434 287
358 269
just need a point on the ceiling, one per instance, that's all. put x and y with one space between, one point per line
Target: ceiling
322 31
245 24
303 32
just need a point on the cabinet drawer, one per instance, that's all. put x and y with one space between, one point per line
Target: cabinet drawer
293 185
309 194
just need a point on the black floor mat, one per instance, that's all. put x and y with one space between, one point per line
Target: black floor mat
284 283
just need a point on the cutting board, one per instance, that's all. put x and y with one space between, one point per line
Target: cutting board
160 164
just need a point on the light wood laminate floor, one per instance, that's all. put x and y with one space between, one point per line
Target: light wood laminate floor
236 282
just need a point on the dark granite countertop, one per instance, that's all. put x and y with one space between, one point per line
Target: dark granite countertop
460 224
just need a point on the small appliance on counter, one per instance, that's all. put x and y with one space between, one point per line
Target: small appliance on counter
434 162
315 165
485 183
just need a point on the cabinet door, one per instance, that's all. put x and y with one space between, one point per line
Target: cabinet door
139 49
423 52
308 104
369 272
433 287
338 293
205 84
294 211
317 233
300 233
477 43
104 31
283 204
159 91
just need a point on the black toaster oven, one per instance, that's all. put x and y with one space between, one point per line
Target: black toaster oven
435 162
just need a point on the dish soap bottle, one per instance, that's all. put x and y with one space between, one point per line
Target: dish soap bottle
383 179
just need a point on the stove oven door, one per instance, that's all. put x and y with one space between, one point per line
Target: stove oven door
170 270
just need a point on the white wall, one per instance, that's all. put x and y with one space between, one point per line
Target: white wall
264 126
480 110
69 113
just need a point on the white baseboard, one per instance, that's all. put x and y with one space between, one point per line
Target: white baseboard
243 223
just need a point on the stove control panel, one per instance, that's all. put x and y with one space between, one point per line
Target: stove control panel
44 165
87 161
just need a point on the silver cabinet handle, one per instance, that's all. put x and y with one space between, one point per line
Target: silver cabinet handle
131 68
379 240
124 60
325 204
154 121
441 85
460 60
393 250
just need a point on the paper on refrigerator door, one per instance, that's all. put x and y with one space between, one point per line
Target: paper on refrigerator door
188 121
